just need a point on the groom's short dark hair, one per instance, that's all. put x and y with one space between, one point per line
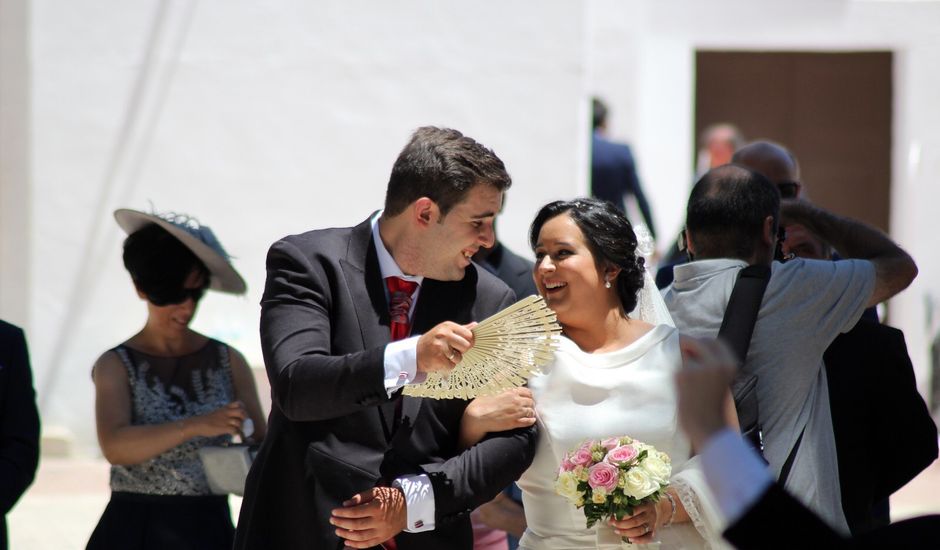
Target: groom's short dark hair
441 164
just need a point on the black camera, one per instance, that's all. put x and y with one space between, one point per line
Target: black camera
778 248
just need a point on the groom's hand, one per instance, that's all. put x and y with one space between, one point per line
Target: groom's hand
442 347
371 517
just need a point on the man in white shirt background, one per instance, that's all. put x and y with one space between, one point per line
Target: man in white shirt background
732 219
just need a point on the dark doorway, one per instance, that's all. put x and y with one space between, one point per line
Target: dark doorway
832 110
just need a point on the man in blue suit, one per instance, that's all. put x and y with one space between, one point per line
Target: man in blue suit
613 170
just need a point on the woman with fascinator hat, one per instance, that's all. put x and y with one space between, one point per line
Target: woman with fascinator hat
167 391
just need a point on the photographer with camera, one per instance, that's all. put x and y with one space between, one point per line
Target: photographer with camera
733 216
866 364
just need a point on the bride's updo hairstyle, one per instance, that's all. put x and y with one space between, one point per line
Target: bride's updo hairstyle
609 236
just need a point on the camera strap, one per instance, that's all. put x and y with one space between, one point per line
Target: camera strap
736 330
737 327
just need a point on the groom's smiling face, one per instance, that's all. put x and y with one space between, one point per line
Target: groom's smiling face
566 272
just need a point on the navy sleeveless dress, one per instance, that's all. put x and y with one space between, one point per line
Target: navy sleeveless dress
165 502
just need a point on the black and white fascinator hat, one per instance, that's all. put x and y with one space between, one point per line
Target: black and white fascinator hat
196 237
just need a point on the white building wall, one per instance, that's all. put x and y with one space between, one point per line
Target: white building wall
262 119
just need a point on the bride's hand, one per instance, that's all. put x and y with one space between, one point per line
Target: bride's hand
511 409
641 527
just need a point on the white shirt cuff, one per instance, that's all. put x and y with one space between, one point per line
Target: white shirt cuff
401 364
419 500
735 474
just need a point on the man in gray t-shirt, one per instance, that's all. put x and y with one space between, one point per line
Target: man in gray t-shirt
732 221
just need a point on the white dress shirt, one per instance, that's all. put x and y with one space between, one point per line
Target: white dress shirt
401 368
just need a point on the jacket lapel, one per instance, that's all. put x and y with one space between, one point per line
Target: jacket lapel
366 290
367 294
438 302
367 298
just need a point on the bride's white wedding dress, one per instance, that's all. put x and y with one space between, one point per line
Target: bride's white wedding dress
625 392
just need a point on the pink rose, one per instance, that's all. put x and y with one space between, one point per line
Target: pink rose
566 465
611 443
603 475
581 457
622 454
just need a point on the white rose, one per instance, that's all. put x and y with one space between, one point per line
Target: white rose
567 486
580 473
638 484
656 468
599 496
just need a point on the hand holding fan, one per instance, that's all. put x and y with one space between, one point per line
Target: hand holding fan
508 348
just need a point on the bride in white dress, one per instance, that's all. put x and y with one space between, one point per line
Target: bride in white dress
612 375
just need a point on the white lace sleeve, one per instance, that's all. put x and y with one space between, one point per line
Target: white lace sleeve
650 306
704 513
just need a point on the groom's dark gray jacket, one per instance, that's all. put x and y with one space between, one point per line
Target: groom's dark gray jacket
324 328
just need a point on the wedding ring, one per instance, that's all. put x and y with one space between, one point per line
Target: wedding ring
451 356
646 528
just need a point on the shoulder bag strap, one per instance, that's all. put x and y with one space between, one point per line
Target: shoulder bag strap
788 464
737 326
736 329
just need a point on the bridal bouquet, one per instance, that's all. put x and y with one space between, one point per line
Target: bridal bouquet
611 477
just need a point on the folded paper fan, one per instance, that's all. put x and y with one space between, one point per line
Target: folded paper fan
508 348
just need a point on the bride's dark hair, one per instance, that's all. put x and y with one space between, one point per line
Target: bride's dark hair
608 234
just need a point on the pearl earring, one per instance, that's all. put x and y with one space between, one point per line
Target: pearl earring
606 283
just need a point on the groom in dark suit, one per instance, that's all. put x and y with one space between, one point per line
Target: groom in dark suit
348 459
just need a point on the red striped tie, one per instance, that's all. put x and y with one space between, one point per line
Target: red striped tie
400 294
399 304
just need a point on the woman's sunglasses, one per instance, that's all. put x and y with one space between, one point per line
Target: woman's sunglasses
174 297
